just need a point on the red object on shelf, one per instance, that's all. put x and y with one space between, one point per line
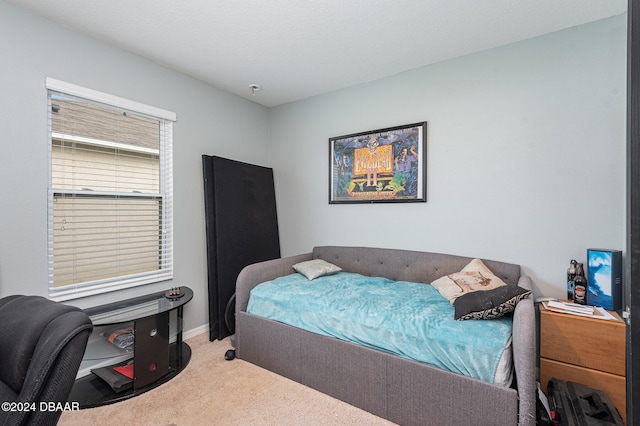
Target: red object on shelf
125 370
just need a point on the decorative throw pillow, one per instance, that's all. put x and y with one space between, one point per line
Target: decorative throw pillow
316 268
473 277
489 304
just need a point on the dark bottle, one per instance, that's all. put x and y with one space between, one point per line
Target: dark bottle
571 275
580 286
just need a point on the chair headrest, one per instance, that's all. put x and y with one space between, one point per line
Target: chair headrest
24 322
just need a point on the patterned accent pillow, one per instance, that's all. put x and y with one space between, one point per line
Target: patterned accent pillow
316 268
489 304
473 277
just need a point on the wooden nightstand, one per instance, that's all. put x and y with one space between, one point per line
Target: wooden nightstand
584 350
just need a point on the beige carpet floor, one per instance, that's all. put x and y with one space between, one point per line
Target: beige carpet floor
212 391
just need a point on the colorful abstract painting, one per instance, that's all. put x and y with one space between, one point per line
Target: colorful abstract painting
386 165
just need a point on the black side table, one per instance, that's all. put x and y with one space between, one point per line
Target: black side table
155 320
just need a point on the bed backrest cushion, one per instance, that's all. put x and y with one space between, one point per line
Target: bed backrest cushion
407 265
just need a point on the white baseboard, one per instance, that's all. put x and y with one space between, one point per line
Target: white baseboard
195 331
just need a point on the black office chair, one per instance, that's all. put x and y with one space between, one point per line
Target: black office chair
41 346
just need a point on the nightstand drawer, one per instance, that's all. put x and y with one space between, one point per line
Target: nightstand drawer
613 385
582 341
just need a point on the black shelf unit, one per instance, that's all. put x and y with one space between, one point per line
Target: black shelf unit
156 360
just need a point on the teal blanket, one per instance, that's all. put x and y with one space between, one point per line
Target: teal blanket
408 319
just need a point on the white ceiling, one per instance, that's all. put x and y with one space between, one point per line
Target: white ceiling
296 49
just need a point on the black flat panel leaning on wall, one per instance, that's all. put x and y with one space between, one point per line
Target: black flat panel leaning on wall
242 228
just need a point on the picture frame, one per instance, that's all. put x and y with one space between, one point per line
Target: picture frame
379 166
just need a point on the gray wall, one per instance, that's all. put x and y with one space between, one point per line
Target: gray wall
210 121
526 155
526 152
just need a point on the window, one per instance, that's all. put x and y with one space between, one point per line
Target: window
110 211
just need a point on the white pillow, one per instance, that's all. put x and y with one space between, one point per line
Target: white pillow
473 277
316 268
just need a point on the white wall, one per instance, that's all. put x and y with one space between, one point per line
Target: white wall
210 121
521 139
526 155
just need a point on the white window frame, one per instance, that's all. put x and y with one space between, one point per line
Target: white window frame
90 288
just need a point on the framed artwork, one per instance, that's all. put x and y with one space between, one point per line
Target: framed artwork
379 166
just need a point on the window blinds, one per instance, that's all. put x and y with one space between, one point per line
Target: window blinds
110 193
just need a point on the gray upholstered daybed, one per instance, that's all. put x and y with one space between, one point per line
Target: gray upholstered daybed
392 387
